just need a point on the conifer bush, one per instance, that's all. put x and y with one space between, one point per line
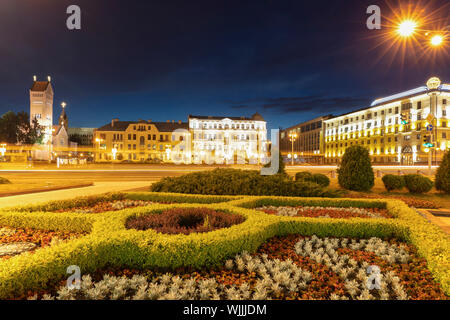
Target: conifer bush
442 178
355 172
393 182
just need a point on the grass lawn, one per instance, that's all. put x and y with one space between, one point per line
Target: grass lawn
21 186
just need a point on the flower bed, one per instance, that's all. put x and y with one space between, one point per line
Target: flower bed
185 221
109 206
321 212
410 201
16 241
292 267
109 244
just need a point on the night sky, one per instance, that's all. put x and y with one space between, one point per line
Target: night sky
160 60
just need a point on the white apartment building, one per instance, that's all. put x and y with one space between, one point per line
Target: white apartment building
229 139
379 127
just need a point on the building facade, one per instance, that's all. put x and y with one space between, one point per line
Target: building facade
307 143
228 139
82 136
393 128
142 141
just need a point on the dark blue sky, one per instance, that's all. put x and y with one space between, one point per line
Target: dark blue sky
145 59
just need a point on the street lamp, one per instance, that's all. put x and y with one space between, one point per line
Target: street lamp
437 40
292 136
407 28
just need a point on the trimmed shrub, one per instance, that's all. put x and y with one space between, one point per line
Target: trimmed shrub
417 183
442 180
318 178
355 172
303 175
239 182
185 221
321 179
4 181
393 182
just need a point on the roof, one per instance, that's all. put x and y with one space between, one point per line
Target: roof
161 126
256 117
40 85
399 97
408 94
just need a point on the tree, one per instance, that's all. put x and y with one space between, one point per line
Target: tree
355 172
442 179
16 129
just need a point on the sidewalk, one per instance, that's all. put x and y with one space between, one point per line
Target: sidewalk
97 188
441 218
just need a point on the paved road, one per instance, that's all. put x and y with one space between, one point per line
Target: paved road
97 188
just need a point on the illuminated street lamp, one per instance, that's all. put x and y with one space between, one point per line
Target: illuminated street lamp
407 28
292 136
437 40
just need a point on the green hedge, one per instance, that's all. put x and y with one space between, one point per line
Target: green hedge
240 182
355 171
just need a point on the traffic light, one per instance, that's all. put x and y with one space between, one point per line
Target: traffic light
427 141
404 117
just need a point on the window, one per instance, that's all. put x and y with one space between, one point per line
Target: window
444 135
134 137
444 124
419 105
129 136
444 101
396 109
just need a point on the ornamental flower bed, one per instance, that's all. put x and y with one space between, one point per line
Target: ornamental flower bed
328 212
291 267
14 241
185 221
109 206
410 201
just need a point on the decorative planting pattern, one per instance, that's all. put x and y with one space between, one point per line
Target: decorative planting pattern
110 244
321 212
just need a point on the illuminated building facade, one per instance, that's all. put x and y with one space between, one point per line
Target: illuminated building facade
380 129
228 139
308 143
142 141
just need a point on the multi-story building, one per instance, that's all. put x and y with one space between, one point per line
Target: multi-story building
41 106
379 128
307 141
140 141
228 139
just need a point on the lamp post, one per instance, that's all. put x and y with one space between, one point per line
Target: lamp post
292 136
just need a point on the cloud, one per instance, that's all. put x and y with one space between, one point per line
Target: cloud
318 103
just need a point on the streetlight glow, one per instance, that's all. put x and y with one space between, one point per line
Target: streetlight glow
407 28
437 40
